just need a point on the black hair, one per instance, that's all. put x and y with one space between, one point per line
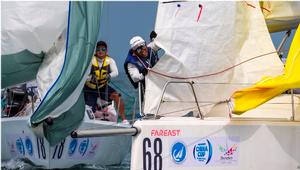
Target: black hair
101 43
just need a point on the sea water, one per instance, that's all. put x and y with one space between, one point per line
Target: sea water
24 165
129 95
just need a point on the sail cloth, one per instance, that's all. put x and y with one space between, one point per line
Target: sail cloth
25 37
208 43
66 58
281 15
269 87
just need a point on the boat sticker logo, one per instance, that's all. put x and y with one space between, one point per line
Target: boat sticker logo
29 147
178 152
72 147
228 152
83 146
203 151
20 146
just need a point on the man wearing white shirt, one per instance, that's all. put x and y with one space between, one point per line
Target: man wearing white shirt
140 58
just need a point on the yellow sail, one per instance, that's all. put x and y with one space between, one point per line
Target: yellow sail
269 87
281 15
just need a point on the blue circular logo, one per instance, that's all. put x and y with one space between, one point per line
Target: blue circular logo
83 146
203 152
20 146
178 152
72 147
29 147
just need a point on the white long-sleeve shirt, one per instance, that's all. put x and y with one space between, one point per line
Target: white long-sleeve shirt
134 73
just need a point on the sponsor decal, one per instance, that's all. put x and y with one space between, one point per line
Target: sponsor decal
83 147
28 145
202 152
178 152
93 149
165 132
228 153
12 148
72 147
20 146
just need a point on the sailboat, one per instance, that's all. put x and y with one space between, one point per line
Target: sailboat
53 43
212 51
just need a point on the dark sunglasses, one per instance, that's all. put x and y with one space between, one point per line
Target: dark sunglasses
102 49
140 48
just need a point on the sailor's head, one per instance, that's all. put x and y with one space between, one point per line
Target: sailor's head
138 46
101 49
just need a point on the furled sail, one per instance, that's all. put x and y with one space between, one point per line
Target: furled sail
281 15
269 87
58 39
219 46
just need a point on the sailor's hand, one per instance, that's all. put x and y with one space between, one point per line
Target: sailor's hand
93 78
153 35
145 73
108 78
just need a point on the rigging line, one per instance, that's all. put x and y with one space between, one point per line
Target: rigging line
97 83
211 74
187 109
210 102
228 83
194 108
140 60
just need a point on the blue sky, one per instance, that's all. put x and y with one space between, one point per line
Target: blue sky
120 21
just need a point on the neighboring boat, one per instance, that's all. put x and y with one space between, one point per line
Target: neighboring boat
19 142
53 43
212 50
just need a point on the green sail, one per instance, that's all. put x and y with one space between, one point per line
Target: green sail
19 67
83 29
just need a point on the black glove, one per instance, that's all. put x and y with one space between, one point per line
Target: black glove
153 35
145 72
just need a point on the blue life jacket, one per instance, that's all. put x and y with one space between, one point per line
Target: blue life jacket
135 61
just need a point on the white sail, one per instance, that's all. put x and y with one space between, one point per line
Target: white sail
22 30
224 49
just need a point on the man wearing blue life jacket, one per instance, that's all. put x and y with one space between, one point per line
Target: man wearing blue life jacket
103 68
140 57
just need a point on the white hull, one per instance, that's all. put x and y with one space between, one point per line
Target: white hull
18 141
215 144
